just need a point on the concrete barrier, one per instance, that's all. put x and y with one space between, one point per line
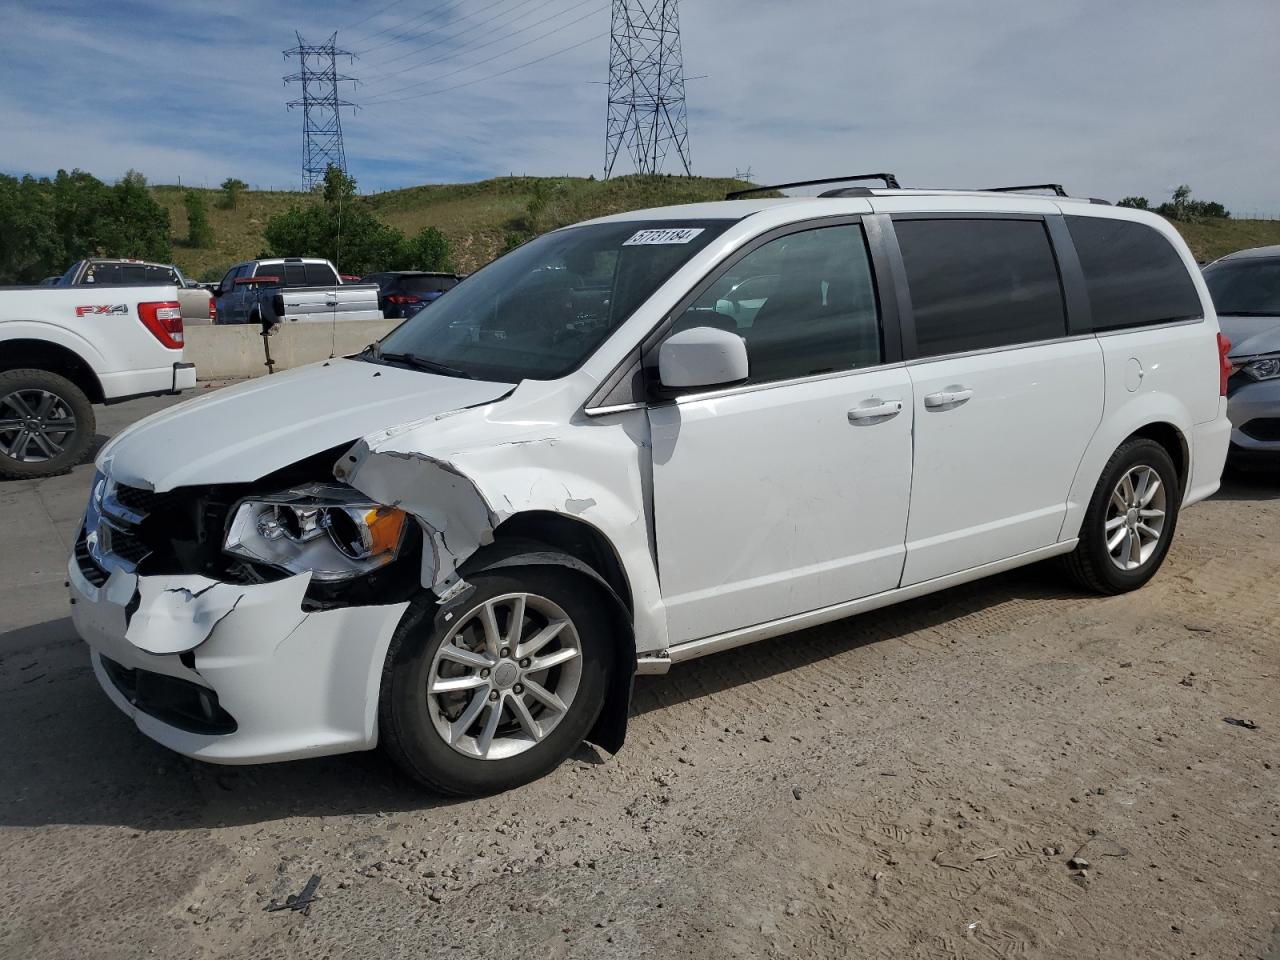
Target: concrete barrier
235 350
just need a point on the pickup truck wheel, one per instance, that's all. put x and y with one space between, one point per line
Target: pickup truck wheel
46 424
1129 524
501 686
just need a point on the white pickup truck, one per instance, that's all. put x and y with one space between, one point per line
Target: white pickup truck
63 349
290 289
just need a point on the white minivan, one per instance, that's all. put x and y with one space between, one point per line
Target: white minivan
639 440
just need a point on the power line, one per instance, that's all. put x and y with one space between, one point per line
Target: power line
646 86
321 107
376 13
502 73
444 38
497 56
409 34
472 46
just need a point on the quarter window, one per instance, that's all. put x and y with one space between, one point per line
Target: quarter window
981 283
804 303
1133 274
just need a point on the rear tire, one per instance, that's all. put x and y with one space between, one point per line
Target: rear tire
436 705
1130 522
46 424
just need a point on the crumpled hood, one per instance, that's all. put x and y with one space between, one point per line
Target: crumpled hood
1251 336
243 432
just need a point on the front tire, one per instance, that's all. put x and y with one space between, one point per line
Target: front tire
46 424
499 687
1129 525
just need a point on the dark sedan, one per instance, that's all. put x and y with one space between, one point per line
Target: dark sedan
402 293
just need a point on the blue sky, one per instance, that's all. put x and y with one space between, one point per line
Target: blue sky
1108 98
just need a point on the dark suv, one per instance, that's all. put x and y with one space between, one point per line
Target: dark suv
402 293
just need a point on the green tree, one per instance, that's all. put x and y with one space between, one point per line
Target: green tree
199 230
47 224
30 248
1183 209
1137 203
340 227
429 249
338 187
231 190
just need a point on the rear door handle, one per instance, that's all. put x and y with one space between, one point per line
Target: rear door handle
874 411
948 399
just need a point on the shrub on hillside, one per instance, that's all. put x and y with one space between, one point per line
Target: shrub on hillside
199 230
231 190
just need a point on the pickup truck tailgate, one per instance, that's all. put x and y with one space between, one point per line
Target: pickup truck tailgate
346 302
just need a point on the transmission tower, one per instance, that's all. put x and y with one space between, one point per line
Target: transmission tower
320 103
646 86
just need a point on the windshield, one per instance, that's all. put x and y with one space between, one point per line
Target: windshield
1245 287
540 311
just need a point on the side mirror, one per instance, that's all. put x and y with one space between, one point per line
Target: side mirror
702 357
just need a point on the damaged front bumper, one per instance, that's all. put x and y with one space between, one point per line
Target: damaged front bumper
234 673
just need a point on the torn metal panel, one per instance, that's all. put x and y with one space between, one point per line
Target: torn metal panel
179 613
461 477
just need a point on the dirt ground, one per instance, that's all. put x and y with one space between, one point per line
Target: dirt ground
910 783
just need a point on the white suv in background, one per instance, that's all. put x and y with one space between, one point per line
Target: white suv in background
644 439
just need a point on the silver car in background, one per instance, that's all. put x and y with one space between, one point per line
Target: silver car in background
1246 291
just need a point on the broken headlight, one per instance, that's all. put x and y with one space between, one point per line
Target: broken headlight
332 531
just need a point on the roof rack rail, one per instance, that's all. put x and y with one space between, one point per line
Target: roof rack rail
888 179
1028 187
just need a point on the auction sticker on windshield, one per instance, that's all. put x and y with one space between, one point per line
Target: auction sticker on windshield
675 235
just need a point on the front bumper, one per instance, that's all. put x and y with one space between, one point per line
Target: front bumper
282 683
1254 408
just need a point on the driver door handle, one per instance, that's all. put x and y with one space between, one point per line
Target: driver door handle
874 411
948 399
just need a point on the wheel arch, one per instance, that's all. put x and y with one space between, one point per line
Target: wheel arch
1174 442
28 353
513 547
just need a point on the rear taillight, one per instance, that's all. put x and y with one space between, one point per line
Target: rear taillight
403 298
213 310
1224 364
164 319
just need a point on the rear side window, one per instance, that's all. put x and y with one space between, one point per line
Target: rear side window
977 284
318 275
1134 275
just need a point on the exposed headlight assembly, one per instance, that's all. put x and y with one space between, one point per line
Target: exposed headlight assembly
1262 368
333 531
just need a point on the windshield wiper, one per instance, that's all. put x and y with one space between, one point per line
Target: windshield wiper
1248 313
422 363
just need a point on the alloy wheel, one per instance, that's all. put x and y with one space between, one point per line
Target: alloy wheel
1135 517
35 425
505 676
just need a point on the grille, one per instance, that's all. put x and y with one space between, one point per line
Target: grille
143 501
1263 428
128 546
88 567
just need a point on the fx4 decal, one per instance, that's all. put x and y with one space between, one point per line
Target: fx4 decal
103 309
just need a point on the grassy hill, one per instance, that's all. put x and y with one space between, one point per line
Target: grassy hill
476 217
